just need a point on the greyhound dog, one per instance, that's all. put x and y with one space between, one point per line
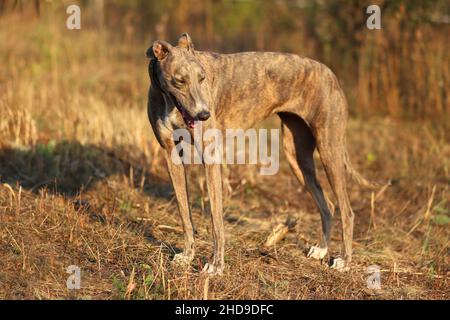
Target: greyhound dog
237 91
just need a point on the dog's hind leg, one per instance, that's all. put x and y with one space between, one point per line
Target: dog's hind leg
331 146
178 178
299 145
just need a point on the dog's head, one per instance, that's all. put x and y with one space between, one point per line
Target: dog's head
180 76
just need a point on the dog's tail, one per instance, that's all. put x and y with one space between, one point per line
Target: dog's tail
357 176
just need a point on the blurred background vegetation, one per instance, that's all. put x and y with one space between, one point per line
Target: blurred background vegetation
401 70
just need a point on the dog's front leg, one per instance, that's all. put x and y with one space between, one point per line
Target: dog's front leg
178 178
214 185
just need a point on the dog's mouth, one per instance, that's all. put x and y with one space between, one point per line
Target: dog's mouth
188 120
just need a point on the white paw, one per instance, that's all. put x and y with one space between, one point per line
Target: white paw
181 259
339 264
213 270
317 253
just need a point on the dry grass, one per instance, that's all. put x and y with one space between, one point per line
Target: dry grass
82 183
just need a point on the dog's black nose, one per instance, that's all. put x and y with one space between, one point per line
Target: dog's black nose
204 115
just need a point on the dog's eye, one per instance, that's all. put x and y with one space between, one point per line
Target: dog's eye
178 81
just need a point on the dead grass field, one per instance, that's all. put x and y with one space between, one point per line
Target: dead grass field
82 183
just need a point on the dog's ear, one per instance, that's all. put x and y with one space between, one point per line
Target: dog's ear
149 53
185 42
159 50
